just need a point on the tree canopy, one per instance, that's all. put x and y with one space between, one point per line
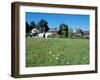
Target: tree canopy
63 30
43 25
79 31
27 27
32 25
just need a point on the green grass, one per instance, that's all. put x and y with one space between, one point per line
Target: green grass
56 51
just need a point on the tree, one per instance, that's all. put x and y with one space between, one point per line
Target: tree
32 25
70 33
27 27
79 32
63 30
43 25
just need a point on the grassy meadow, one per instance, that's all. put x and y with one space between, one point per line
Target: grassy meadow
56 51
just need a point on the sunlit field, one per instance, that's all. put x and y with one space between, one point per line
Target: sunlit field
56 51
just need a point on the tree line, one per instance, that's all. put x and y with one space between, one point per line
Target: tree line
42 26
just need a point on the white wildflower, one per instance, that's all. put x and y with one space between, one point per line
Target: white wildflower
50 52
56 58
57 54
67 62
53 55
61 59
84 58
50 60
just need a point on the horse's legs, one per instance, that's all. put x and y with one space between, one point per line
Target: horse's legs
46 36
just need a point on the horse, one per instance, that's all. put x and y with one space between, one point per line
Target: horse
44 35
37 34
33 33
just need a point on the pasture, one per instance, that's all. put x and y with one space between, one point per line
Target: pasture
56 51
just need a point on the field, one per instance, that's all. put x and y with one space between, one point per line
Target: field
56 51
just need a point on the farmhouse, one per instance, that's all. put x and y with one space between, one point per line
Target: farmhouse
54 31
86 34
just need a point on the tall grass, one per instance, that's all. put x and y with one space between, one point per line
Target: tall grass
56 51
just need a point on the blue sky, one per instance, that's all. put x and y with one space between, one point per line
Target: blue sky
74 21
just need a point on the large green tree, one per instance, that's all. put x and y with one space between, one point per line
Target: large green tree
32 25
27 27
63 30
43 25
79 33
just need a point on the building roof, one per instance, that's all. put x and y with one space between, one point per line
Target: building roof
53 30
86 32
